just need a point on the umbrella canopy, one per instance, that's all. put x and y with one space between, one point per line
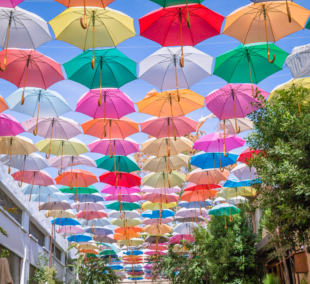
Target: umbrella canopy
184 220
96 222
243 172
113 68
201 195
79 238
212 160
60 214
126 222
163 70
157 239
158 147
82 190
157 214
224 209
3 105
185 228
162 198
71 161
110 128
124 197
108 189
150 189
164 179
157 229
119 206
247 154
115 104
195 187
148 221
158 206
89 215
126 236
9 126
76 178
65 222
165 127
132 242
104 239
234 182
191 213
118 164
125 214
51 197
237 200
231 192
165 163
10 3
88 206
95 197
122 147
199 176
31 162
178 239
120 179
33 177
229 126
99 231
298 61
56 205
167 3
195 204
37 189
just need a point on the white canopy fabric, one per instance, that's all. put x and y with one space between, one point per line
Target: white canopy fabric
299 61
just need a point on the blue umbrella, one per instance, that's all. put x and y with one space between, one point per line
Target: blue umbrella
115 267
53 197
36 189
234 182
156 214
79 238
86 197
134 252
190 205
65 222
213 160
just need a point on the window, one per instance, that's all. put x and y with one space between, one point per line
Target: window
33 230
32 272
57 252
14 263
7 203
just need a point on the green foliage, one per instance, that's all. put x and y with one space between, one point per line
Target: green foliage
5 253
218 255
271 279
3 232
43 273
282 132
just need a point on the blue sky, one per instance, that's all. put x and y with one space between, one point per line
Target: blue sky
137 49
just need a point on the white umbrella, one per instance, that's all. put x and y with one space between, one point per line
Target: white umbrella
21 29
162 69
185 228
230 127
191 213
96 222
299 61
126 214
219 199
71 161
243 172
150 189
237 200
31 162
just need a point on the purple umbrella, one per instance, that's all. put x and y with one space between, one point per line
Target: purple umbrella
108 189
114 146
234 100
88 206
110 103
70 230
71 161
9 126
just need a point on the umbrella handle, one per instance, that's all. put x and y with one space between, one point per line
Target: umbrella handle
238 129
288 12
35 131
187 16
225 154
62 150
181 60
84 26
176 79
273 59
100 98
9 169
7 43
47 155
268 51
93 59
23 95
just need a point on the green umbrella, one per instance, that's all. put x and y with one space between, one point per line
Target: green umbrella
108 252
224 209
308 25
249 63
123 206
113 69
118 164
82 190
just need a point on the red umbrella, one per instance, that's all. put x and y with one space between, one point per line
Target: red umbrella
120 179
29 68
246 155
194 187
168 26
89 215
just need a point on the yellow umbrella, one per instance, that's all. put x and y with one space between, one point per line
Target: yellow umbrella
110 28
87 246
133 242
231 192
60 214
264 22
158 206
164 179
157 229
126 222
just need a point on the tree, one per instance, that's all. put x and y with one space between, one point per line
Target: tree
282 133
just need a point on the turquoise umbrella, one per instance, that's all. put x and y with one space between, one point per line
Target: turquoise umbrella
123 206
224 209
118 164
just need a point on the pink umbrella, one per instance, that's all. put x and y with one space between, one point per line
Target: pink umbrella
162 198
9 126
10 3
218 142
24 65
124 198
88 206
71 161
160 190
115 104
178 238
70 230
202 177
153 252
116 146
163 127
157 247
89 215
41 178
148 221
108 189
234 100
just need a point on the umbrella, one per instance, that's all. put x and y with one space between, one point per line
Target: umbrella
37 189
224 209
108 189
191 213
114 69
150 189
26 64
158 206
60 214
119 206
125 214
184 220
164 127
18 145
243 172
99 231
229 126
88 206
234 100
104 239
161 198
158 239
126 236
21 29
65 222
195 204
212 160
51 127
3 105
82 190
133 252
219 199
89 215
163 70
199 176
95 197
264 22
165 163
60 147
132 242
55 205
237 200
148 221
298 61
247 154
79 238
157 229
31 162
126 222
185 228
9 126
110 28
115 104
178 239
71 161
120 179
50 197
124 197
164 179
118 164
195 187
157 214
199 195
123 147
87 246
10 3
175 27
231 192
218 142
158 147
96 222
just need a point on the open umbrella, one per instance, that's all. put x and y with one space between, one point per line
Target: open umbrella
199 195
79 238
156 214
185 220
16 145
158 147
165 163
89 215
170 26
148 221
126 222
88 206
96 222
231 192
195 187
55 205
60 214
37 189
158 206
99 231
224 209
10 3
123 197
71 161
164 179
178 239
153 239
247 154
82 190
157 229
165 190
161 198
191 213
185 228
95 197
9 126
298 61
195 204
120 179
108 189
201 177
65 222
243 172
122 206
264 22
118 164
125 214
229 125
133 242
51 197
26 64
3 105
122 147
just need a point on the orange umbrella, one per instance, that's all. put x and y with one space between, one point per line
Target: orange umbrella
3 105
200 195
157 229
128 230
120 237
200 176
92 251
